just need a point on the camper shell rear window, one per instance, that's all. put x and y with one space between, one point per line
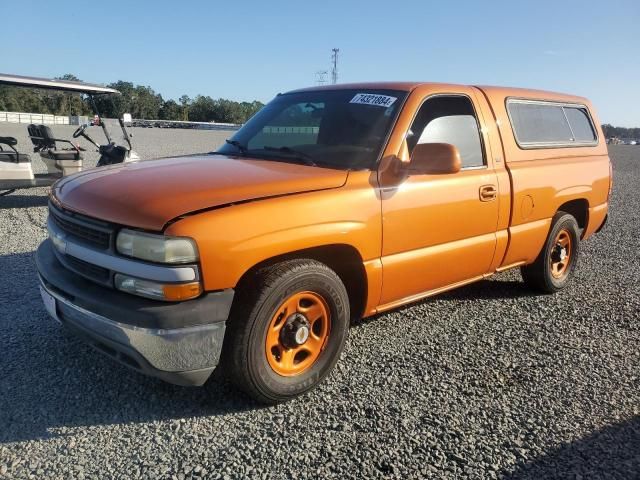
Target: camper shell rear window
544 124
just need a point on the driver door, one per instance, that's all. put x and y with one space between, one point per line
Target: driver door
440 230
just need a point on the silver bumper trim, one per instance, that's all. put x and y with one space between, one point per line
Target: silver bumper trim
169 350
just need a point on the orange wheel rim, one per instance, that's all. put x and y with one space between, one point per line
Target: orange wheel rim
297 333
561 253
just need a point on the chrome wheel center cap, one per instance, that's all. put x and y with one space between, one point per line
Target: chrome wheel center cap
563 253
302 335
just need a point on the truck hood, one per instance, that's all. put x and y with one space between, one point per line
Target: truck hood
151 193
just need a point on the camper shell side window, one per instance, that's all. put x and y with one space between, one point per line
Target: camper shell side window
547 124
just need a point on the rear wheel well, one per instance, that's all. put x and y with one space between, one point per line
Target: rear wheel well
579 209
343 259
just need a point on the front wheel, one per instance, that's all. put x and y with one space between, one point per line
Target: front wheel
556 263
287 330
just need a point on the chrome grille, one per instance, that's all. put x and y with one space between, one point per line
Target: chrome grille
89 231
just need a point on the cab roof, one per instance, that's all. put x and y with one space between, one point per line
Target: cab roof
488 89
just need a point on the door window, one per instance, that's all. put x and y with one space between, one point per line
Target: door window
449 119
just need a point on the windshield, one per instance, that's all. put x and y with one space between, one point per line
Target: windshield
329 128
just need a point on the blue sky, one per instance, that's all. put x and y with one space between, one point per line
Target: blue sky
247 50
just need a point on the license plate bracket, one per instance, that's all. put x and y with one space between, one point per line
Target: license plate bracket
49 303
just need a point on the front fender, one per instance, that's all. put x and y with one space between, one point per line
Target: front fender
233 239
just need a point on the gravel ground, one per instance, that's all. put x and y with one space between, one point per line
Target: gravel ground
489 381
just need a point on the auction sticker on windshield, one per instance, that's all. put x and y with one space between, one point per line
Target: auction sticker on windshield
373 99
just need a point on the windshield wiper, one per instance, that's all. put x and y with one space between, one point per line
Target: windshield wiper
238 145
307 159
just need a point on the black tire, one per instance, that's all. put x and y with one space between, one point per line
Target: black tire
539 275
244 356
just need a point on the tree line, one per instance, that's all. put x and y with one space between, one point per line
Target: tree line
143 102
620 132
138 100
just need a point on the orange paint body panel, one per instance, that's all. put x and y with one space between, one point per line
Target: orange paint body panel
147 195
257 231
412 234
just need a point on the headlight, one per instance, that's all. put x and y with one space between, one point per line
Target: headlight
157 291
56 237
156 248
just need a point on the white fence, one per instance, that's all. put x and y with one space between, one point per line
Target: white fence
39 118
47 119
141 122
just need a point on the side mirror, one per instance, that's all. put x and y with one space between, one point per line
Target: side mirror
434 159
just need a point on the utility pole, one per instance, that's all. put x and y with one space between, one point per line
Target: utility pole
334 61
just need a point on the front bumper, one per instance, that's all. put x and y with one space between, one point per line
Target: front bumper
177 342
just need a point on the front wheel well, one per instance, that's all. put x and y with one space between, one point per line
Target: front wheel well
579 209
343 259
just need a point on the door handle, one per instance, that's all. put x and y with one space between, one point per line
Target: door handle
488 193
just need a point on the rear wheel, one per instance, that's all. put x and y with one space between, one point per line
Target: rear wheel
287 330
556 263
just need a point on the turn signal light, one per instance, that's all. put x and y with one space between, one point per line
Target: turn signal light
183 291
169 292
610 179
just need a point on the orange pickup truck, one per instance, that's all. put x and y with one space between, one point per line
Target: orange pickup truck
331 203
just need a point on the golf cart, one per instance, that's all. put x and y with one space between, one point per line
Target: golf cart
15 167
